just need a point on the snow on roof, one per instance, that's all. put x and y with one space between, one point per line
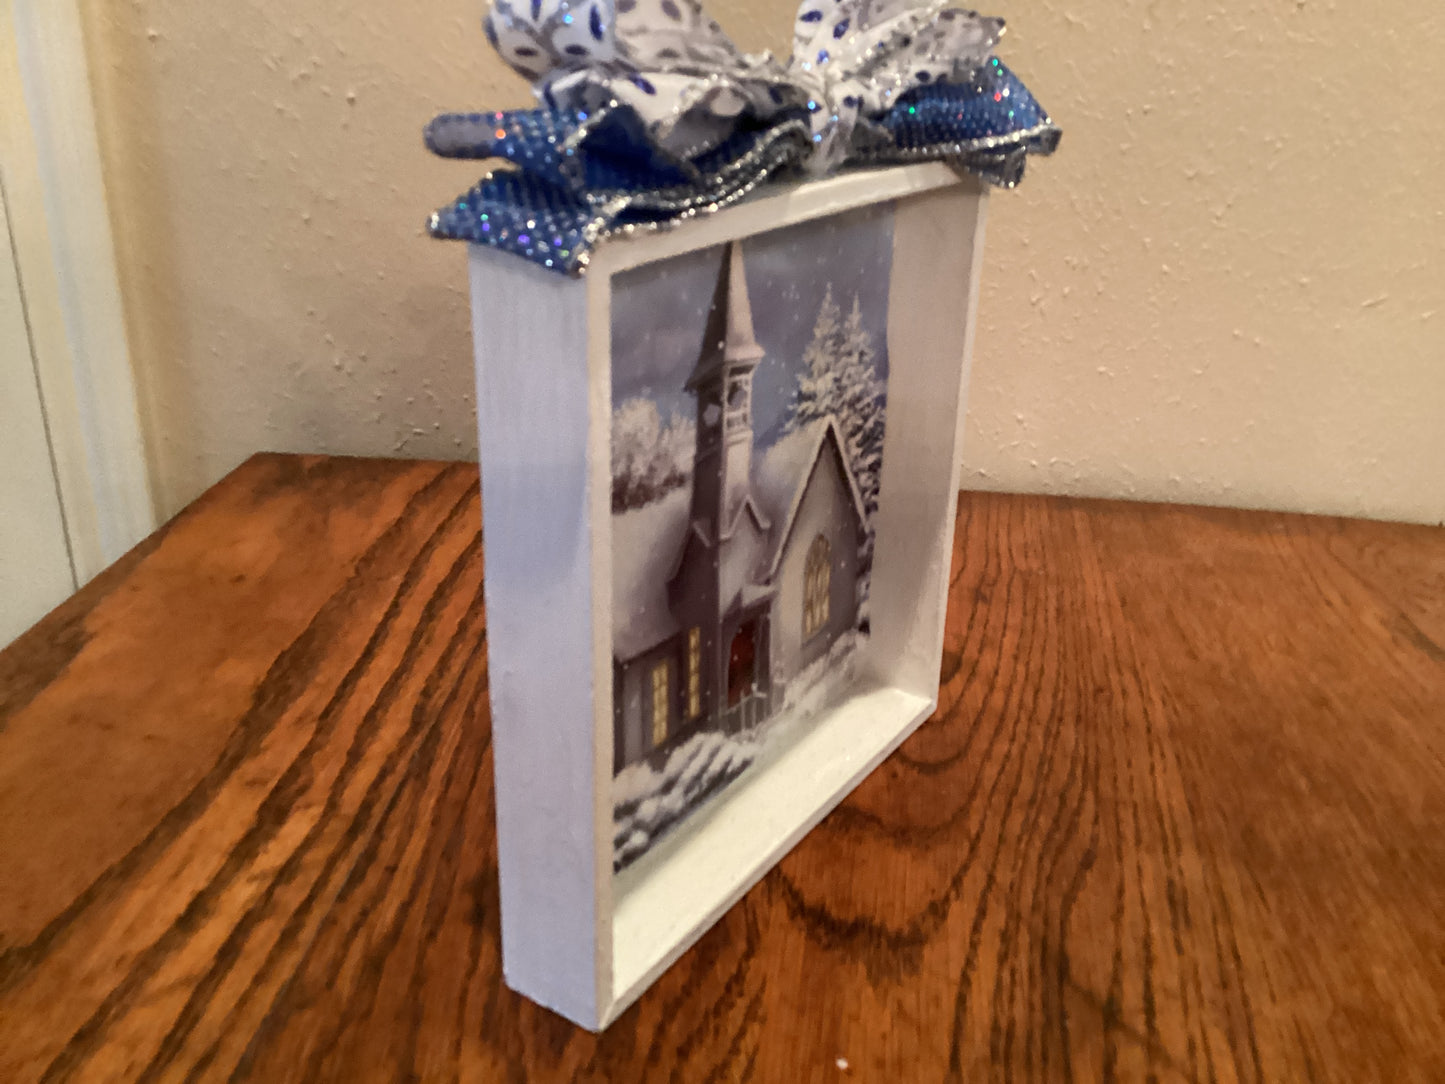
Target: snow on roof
753 593
783 474
780 471
646 543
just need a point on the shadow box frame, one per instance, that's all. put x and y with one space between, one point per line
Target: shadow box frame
576 937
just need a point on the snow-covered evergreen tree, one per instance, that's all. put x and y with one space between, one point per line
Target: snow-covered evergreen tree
649 459
840 378
864 405
815 394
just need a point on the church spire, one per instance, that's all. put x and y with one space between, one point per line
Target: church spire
723 384
729 338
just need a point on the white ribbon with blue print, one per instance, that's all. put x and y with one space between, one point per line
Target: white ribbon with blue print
687 80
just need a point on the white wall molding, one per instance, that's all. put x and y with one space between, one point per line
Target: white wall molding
66 259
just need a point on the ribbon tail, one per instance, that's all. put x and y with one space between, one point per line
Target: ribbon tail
1003 167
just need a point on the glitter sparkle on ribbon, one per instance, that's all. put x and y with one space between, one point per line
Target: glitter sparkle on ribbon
650 114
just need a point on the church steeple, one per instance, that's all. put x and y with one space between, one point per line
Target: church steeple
729 338
723 384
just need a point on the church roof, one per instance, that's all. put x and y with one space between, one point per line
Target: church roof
781 479
645 546
647 542
729 336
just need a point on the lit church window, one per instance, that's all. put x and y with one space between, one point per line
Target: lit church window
659 703
817 579
694 673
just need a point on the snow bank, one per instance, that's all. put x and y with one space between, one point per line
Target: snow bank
821 682
648 802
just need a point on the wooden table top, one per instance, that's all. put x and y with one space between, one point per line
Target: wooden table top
1180 816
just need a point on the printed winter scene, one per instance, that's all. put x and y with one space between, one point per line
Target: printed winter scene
749 397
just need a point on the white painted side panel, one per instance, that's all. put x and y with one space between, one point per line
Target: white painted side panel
574 938
35 572
937 242
535 422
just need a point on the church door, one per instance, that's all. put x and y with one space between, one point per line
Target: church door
742 664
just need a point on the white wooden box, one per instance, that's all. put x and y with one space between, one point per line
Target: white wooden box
578 937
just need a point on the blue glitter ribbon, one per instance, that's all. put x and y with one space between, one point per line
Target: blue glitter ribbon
578 175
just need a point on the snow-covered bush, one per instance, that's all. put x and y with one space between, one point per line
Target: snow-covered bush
648 801
649 459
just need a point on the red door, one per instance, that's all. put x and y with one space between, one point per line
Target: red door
741 664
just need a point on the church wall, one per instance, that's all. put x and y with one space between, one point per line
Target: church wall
826 509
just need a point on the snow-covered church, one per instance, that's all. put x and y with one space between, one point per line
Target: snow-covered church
726 589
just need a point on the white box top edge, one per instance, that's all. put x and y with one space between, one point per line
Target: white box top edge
773 207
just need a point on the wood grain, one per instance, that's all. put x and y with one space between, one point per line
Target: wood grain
1179 816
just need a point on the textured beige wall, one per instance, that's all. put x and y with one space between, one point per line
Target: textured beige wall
1228 287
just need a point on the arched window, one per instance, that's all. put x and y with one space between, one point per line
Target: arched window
817 581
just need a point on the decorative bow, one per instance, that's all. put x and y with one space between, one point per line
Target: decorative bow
651 113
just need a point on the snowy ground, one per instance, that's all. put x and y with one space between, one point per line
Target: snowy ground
647 803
